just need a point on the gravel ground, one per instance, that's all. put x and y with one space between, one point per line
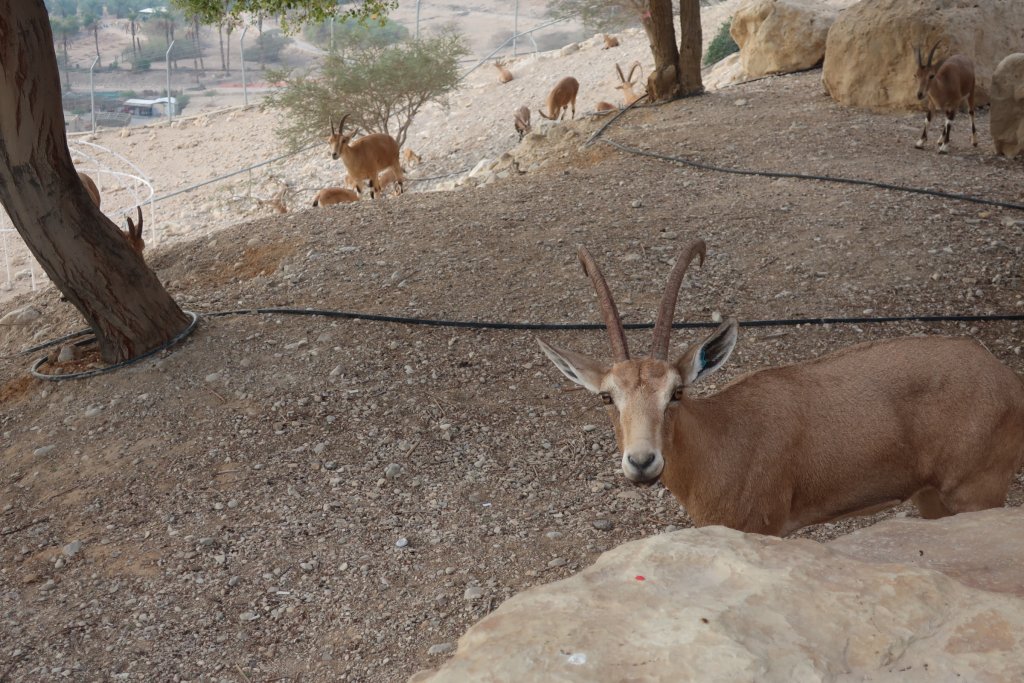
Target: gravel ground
286 498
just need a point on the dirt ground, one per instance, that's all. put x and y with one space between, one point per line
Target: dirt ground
287 497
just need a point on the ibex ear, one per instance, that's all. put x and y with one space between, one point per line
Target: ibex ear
581 369
701 360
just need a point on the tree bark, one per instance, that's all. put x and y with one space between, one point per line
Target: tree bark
82 251
690 48
663 82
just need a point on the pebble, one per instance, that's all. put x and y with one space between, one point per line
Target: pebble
93 411
248 616
554 535
44 450
402 542
441 649
636 203
473 593
71 549
558 562
213 377
603 524
392 470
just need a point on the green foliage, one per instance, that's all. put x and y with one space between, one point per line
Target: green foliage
295 12
722 45
141 65
381 89
353 34
599 15
155 50
268 44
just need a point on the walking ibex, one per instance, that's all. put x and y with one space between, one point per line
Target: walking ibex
561 97
937 420
945 85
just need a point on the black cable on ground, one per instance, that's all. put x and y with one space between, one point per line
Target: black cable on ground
110 368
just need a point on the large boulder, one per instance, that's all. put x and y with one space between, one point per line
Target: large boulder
869 54
781 36
714 604
1007 119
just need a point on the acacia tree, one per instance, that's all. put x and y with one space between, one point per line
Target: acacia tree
80 249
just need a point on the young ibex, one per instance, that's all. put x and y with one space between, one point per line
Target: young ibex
605 108
626 85
937 420
386 179
409 157
90 187
561 97
504 75
522 121
335 195
946 85
610 41
366 157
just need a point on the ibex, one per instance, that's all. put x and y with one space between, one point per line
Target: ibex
561 97
522 121
366 157
409 156
134 234
946 85
605 108
90 187
504 75
626 85
610 41
937 420
335 195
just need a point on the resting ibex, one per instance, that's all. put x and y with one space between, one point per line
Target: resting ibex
335 195
561 97
946 85
522 121
626 85
90 187
504 75
610 41
366 157
937 420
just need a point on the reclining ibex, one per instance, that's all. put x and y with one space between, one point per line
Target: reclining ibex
366 157
522 121
610 41
561 97
626 85
946 85
938 420
504 75
335 195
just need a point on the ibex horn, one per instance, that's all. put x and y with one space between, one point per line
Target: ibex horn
920 62
667 310
616 334
932 53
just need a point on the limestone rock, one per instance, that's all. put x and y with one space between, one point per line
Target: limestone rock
1007 118
869 55
980 549
724 72
781 36
713 604
21 316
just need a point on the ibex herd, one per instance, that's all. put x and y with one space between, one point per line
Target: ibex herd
936 420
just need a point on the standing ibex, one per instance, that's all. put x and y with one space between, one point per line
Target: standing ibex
522 121
946 85
504 75
561 97
366 157
626 85
134 234
934 419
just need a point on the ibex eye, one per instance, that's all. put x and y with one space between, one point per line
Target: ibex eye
677 394
607 398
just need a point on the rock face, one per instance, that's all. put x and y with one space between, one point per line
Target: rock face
781 36
1007 121
869 55
713 604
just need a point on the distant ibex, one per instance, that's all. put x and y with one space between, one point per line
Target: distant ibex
522 121
410 156
605 108
365 157
937 420
90 187
335 195
561 97
504 75
946 85
610 41
626 85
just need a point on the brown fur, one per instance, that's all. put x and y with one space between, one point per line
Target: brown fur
90 187
936 420
561 97
335 195
366 157
410 157
626 84
944 86
610 41
521 118
504 75
134 234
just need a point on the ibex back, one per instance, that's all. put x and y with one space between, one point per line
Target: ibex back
938 420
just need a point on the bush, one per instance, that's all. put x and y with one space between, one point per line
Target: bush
352 34
267 47
722 45
141 65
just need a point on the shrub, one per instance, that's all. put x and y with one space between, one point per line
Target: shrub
722 45
267 47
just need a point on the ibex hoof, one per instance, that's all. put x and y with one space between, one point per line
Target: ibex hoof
919 144
944 149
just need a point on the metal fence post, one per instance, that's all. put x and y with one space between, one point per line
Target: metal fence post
241 50
92 93
167 61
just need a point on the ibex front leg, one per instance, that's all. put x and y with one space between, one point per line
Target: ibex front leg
924 133
947 128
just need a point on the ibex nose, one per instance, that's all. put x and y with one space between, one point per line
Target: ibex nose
334 156
920 95
640 461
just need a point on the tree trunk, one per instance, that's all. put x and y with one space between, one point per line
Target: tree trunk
199 45
690 47
227 48
81 250
96 35
220 34
663 83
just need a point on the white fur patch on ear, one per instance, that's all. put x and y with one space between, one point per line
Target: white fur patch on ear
712 353
579 369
